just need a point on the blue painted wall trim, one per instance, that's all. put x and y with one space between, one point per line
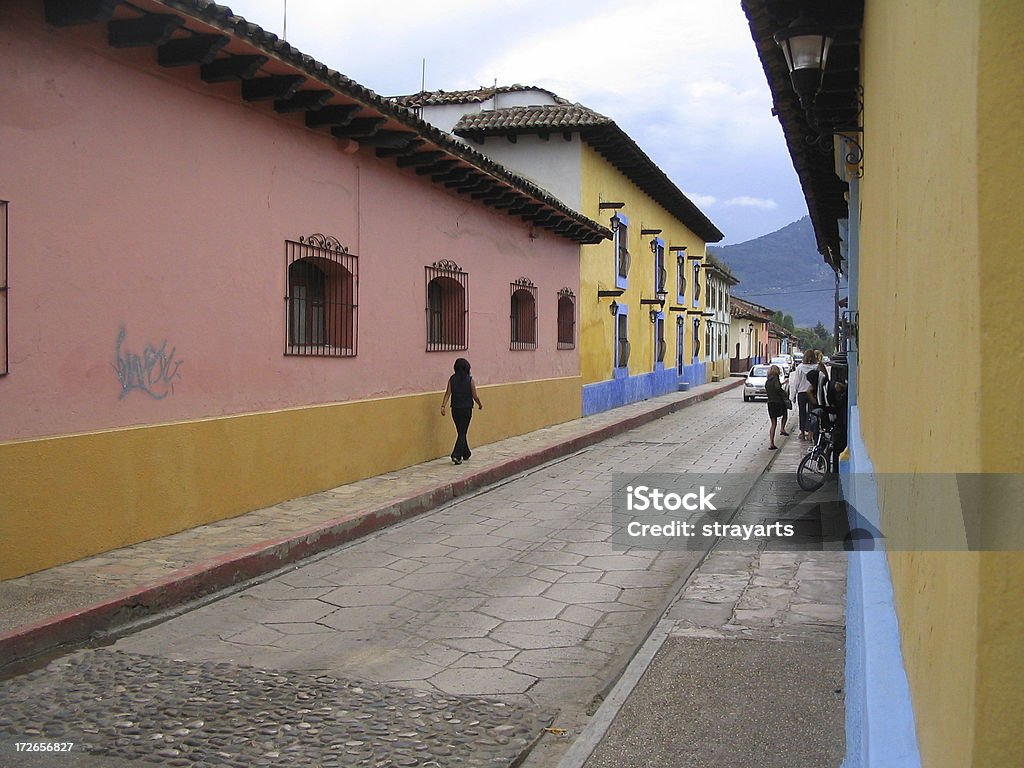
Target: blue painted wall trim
605 395
695 374
880 730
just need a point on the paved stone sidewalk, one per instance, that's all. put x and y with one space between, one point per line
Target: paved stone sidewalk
190 557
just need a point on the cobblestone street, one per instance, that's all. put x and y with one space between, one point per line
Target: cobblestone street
514 593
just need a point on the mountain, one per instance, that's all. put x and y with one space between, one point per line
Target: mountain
783 270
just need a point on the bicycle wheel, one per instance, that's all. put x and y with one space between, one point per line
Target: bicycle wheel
813 470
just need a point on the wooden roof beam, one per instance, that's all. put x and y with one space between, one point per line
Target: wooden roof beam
333 114
419 158
392 143
151 29
470 178
302 100
194 49
478 184
455 174
440 166
273 87
359 128
232 68
66 13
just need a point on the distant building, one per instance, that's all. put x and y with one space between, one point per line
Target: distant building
748 327
719 280
238 277
643 328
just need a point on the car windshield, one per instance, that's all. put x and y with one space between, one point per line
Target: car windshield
759 370
781 360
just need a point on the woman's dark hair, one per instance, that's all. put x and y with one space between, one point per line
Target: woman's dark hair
462 367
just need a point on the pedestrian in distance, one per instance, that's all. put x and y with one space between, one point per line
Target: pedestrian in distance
798 385
778 404
462 392
817 385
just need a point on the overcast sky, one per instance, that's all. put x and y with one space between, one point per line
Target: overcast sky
679 76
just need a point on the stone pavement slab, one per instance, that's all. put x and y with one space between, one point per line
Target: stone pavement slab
69 603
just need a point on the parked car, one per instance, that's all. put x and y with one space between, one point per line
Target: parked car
753 387
785 362
798 358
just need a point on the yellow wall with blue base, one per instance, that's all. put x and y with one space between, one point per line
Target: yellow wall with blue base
601 181
940 278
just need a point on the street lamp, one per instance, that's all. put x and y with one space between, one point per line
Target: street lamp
805 45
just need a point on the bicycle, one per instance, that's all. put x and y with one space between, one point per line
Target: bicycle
816 465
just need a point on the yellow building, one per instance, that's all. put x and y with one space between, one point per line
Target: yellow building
643 311
920 209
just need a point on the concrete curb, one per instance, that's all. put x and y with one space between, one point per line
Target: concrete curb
215 574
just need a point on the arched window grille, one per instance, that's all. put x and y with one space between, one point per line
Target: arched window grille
447 307
321 304
523 314
566 319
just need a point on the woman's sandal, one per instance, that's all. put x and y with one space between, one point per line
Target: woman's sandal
786 434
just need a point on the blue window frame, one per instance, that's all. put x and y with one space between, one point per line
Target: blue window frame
681 276
660 347
621 341
660 274
620 240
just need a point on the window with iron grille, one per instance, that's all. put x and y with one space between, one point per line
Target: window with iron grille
3 287
523 314
659 341
696 283
447 307
621 339
696 337
680 344
620 240
681 277
566 319
321 305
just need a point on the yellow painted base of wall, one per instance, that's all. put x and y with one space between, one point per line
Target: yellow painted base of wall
69 497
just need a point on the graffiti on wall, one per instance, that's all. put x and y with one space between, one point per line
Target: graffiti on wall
152 372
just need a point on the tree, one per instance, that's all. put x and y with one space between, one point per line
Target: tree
787 323
817 337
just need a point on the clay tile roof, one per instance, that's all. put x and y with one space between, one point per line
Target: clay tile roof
601 133
555 116
747 309
475 96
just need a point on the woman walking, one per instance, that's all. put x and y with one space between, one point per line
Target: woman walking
462 392
798 385
778 404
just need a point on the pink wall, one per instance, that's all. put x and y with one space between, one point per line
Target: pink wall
143 198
